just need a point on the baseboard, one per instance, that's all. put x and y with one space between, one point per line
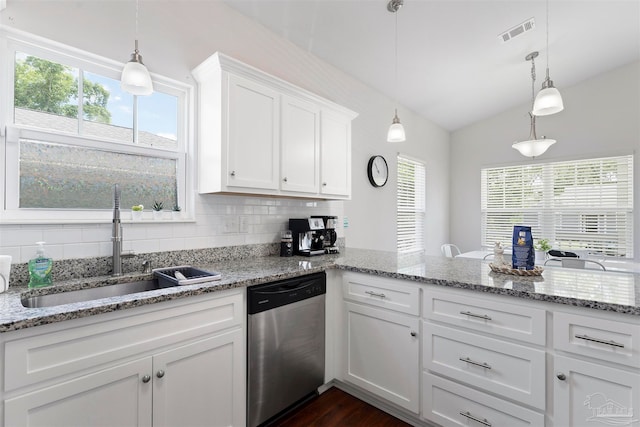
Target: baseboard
400 413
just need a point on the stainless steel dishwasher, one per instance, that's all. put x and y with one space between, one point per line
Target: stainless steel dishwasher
286 327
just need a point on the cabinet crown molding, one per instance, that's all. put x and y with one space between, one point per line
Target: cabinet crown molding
221 62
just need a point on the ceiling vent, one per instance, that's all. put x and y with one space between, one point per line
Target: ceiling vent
522 28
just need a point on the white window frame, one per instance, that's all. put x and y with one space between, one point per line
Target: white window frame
553 216
411 239
12 41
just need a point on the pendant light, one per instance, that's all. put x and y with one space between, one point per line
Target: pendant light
549 100
396 130
135 77
533 147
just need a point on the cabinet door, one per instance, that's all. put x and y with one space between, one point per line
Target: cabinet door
201 384
117 396
335 155
252 124
382 354
300 146
591 394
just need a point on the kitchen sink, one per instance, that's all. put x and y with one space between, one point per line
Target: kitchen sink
90 294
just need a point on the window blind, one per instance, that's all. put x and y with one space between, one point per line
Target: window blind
410 205
577 205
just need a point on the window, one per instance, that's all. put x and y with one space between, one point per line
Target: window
577 205
72 134
411 204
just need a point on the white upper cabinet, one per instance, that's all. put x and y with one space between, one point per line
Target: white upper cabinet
335 154
258 134
252 136
300 146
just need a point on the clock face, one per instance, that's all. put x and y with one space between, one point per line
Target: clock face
378 171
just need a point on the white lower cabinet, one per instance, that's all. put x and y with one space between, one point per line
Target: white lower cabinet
507 369
451 404
201 384
116 396
175 364
381 353
483 359
487 360
587 393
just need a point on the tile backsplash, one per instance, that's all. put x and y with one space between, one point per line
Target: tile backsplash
216 221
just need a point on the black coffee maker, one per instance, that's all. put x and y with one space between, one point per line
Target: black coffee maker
330 235
308 236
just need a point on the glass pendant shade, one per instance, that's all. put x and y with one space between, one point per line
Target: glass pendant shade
135 77
533 147
548 101
396 131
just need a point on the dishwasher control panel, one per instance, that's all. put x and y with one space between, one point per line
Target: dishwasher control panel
275 294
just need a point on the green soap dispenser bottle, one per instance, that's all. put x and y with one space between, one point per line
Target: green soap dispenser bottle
40 269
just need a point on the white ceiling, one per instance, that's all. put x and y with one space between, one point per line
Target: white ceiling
452 67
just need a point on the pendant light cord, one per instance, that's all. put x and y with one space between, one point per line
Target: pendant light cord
137 12
547 11
396 58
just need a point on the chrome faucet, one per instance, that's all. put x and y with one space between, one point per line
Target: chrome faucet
116 233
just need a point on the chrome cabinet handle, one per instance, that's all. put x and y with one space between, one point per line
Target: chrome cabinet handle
483 421
374 294
284 179
479 316
324 184
160 373
473 362
599 341
414 334
233 173
561 376
146 379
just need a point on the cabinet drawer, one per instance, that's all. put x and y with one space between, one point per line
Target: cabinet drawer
505 320
50 355
449 404
609 340
387 293
510 370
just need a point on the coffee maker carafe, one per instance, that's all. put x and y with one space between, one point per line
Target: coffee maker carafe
308 236
330 235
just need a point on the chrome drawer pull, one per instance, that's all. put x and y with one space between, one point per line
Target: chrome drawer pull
599 341
373 294
473 362
479 316
476 419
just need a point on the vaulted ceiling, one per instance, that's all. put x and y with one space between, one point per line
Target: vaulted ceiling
453 68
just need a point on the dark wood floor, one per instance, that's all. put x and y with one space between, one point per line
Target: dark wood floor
333 408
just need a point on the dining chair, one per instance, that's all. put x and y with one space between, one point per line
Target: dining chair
450 250
576 263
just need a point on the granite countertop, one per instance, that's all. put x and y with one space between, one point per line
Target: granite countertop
617 292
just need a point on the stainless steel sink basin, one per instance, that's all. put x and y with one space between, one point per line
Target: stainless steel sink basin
89 294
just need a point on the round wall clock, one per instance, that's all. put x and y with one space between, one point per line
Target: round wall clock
378 171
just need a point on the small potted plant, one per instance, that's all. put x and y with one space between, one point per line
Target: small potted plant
136 212
157 209
541 248
176 212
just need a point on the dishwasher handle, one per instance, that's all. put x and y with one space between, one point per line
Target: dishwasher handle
284 288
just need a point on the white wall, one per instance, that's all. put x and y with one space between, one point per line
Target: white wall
175 36
601 117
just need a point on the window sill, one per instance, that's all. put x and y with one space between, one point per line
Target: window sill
17 221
